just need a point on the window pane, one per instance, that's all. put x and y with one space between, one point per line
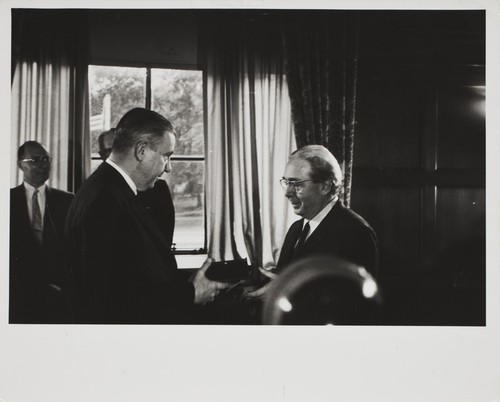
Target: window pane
113 92
178 95
94 164
186 182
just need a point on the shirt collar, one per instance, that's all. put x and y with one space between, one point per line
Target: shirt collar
127 178
314 222
30 189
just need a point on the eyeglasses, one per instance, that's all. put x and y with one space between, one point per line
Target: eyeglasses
37 160
296 185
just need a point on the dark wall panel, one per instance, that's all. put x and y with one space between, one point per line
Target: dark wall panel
419 161
460 217
394 215
461 127
389 121
149 36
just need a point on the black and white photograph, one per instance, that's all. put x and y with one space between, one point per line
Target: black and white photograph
250 201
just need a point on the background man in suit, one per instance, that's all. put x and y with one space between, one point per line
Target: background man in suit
124 269
311 183
105 142
38 270
157 200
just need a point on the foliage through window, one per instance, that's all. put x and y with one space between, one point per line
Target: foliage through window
177 95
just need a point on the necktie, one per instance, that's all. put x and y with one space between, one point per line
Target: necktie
303 235
36 223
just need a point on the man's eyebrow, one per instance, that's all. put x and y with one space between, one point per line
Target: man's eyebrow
290 178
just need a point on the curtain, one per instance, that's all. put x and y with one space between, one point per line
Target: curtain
49 93
249 139
321 69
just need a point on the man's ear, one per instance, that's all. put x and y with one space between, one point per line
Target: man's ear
140 150
326 187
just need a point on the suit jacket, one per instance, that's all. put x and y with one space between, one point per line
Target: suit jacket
342 233
159 204
124 270
37 273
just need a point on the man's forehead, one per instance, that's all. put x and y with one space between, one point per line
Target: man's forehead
35 150
296 168
166 146
169 139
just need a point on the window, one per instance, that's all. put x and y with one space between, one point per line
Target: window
177 95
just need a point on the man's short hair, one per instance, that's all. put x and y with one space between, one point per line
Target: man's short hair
323 164
140 124
21 151
105 140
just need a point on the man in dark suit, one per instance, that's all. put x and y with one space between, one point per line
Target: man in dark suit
38 271
311 183
124 269
157 200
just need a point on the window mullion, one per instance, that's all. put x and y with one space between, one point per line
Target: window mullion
148 88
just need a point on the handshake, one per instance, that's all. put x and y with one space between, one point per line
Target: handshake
216 277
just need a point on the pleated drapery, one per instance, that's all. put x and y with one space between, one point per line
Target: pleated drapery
321 70
49 93
249 139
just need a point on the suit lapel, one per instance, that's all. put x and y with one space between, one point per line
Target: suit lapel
287 249
21 206
145 219
326 226
142 216
47 218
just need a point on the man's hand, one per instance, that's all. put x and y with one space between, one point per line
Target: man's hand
259 293
267 272
205 290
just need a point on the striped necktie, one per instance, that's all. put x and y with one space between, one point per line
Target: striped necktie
36 223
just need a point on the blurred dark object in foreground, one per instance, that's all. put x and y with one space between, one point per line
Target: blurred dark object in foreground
323 290
230 271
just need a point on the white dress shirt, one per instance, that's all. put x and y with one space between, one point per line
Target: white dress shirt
127 178
314 222
29 189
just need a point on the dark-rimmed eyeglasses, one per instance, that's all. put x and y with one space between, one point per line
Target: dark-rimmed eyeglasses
38 160
296 185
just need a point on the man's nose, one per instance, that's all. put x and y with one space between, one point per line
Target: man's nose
168 166
289 192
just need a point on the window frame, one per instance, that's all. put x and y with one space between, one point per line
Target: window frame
189 158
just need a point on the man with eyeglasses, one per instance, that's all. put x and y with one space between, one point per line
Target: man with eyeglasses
38 274
311 183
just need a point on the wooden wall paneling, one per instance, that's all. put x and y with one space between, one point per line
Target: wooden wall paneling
394 215
428 161
419 157
387 133
461 120
453 275
461 257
